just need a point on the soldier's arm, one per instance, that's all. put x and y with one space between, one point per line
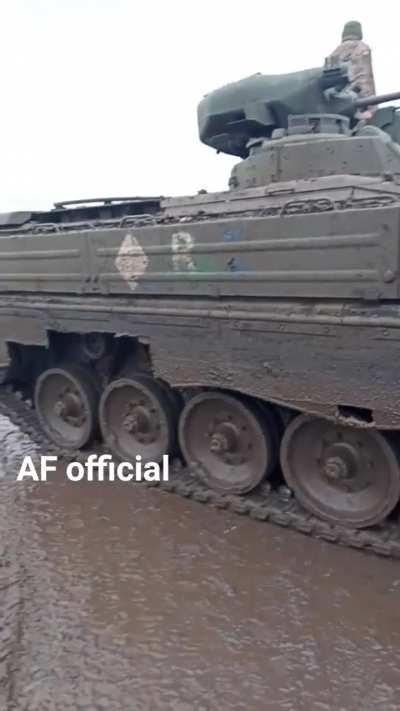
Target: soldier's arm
363 76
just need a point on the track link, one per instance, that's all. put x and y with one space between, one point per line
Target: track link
266 504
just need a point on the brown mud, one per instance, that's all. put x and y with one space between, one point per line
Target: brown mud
119 597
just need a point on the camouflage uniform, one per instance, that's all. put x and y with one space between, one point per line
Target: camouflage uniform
354 52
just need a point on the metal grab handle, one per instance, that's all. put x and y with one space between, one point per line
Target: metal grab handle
46 227
295 207
131 219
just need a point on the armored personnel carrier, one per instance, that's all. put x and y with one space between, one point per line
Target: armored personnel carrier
253 333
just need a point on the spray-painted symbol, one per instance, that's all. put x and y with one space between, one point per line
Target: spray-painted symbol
131 261
182 245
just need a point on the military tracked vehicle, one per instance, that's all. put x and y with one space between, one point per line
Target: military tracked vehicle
253 333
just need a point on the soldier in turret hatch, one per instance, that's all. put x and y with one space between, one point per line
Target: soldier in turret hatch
357 54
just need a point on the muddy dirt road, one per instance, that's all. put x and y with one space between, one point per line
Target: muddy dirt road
122 598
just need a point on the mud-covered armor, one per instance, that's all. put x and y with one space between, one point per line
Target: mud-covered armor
251 334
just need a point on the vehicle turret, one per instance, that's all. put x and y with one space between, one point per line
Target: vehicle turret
257 105
301 125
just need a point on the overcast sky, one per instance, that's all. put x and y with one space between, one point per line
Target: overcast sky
99 97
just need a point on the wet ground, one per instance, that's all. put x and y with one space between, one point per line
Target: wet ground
122 598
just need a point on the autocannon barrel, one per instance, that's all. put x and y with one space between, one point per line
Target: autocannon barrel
376 99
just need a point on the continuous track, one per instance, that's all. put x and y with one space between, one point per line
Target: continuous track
265 505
